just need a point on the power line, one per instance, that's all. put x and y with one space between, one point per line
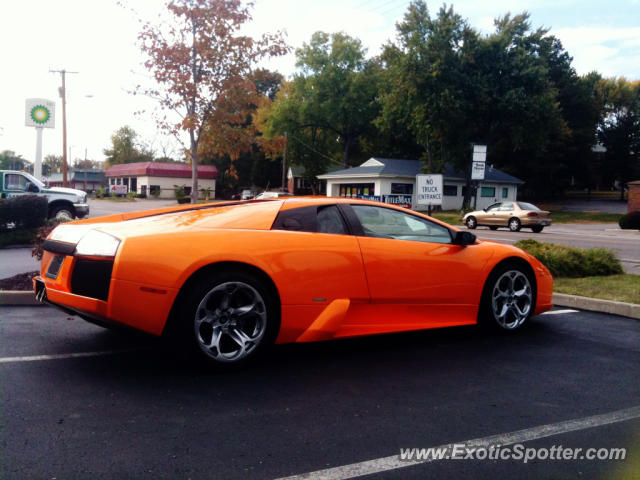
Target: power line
311 148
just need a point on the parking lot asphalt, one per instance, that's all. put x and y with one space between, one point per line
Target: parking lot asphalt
78 401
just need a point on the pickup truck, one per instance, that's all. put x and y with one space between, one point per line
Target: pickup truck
64 203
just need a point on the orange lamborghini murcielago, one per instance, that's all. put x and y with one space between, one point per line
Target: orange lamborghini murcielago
230 279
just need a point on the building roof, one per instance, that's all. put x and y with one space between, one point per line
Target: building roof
160 169
394 167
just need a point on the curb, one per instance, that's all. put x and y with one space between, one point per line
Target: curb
630 310
16 297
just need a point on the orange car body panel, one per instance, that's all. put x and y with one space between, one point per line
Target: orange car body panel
330 286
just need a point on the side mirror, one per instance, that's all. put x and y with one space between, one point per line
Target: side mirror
32 188
463 238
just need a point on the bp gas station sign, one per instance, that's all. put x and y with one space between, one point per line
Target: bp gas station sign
40 113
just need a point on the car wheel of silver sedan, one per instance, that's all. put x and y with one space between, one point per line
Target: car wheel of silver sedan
471 223
508 299
232 318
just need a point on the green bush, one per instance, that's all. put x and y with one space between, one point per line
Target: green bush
100 193
630 221
563 261
132 195
24 211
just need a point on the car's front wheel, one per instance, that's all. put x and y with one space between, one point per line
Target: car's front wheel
230 319
471 222
508 298
63 212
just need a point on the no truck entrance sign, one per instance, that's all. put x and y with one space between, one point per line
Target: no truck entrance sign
428 189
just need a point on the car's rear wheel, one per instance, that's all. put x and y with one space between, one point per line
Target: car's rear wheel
229 319
514 224
537 228
471 222
508 298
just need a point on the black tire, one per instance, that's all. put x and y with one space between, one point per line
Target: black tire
514 224
471 222
63 211
537 229
191 338
518 308
493 228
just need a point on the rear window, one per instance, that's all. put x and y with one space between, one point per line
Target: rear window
527 206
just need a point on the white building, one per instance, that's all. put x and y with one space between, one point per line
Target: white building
393 181
159 178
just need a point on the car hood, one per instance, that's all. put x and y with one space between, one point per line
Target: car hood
64 191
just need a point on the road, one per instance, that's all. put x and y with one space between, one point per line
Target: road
625 243
124 408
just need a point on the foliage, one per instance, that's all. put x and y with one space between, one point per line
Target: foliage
23 211
9 160
619 288
42 234
180 192
22 236
206 193
564 261
51 164
125 148
102 192
619 130
201 64
88 164
332 96
131 195
630 221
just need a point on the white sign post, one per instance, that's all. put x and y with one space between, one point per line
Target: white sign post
478 163
429 190
39 113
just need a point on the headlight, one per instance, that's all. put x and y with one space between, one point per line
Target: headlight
70 233
99 244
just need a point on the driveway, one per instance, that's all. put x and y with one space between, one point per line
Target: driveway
79 401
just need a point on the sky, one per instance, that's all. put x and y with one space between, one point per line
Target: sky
98 40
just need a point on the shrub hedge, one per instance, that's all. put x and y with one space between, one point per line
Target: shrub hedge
563 261
24 211
630 221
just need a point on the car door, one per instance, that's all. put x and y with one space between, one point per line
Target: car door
15 184
417 277
491 216
503 214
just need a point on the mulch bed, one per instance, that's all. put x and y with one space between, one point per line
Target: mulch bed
22 281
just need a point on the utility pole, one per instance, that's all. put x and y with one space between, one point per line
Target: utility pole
63 94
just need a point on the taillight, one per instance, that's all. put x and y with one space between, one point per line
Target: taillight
532 214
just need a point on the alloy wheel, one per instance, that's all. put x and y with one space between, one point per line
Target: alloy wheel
511 299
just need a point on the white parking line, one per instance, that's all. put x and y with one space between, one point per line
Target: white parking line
558 312
61 356
393 462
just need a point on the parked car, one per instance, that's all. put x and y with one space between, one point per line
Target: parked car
247 194
275 194
227 280
66 203
513 215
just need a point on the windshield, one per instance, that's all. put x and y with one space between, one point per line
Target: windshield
527 206
33 180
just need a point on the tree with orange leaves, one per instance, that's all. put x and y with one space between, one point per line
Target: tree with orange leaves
202 67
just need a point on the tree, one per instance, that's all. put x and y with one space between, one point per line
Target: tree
125 148
202 66
9 160
620 129
87 164
51 164
332 98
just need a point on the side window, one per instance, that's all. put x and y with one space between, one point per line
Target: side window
296 219
494 207
506 207
15 182
330 221
323 219
388 223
